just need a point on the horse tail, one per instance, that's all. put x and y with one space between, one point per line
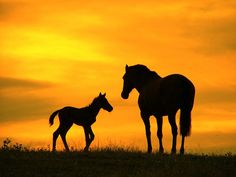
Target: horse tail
51 119
185 123
185 111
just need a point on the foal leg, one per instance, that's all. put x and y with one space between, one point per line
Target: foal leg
55 136
171 118
148 132
91 137
63 135
159 133
87 138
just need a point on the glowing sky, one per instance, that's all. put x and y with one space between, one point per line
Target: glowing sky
55 53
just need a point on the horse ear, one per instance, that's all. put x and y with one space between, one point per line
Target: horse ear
104 94
100 94
126 67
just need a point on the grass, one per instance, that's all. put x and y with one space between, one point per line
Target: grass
17 161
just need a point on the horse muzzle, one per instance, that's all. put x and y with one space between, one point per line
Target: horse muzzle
110 109
124 96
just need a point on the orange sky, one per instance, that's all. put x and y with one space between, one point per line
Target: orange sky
58 53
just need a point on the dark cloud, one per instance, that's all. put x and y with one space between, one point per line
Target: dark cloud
15 83
224 96
6 8
18 102
217 36
213 27
23 107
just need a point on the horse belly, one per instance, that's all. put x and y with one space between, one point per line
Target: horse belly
78 122
85 119
160 101
81 120
71 114
149 101
171 95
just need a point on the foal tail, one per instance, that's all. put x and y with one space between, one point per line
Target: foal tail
51 119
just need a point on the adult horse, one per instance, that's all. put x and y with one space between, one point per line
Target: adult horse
84 117
161 97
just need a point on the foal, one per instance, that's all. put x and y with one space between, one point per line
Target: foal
84 117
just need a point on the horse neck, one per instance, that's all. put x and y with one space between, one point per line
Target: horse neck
94 108
145 80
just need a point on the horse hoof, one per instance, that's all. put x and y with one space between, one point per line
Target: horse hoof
149 150
182 151
86 150
173 151
161 151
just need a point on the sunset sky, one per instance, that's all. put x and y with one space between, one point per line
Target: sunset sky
55 53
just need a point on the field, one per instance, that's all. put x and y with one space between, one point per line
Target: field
17 161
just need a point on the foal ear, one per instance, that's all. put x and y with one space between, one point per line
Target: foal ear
126 67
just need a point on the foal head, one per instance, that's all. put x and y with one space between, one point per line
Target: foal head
103 103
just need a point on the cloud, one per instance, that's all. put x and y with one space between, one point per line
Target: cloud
215 36
23 107
217 96
15 83
20 99
6 8
211 25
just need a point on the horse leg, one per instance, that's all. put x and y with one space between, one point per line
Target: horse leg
148 132
91 138
87 139
91 134
55 136
171 118
63 135
159 133
182 145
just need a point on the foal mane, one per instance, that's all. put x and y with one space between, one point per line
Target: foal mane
93 102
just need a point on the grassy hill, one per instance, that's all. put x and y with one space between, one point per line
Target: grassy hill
17 161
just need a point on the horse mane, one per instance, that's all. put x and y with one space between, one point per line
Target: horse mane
145 71
92 103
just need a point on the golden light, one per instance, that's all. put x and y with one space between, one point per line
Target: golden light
59 53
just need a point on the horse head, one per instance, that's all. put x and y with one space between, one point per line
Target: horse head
104 103
127 84
136 77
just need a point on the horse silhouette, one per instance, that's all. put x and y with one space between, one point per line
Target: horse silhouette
84 117
160 97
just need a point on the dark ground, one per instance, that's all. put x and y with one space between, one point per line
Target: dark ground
112 163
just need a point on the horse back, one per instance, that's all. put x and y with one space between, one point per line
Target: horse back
167 94
79 116
177 88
